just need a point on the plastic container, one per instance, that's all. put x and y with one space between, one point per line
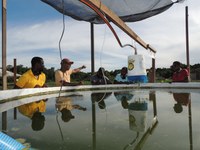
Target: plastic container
136 69
138 116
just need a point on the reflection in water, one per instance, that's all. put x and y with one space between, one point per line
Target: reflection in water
124 97
184 99
130 120
99 99
34 111
65 106
137 109
4 121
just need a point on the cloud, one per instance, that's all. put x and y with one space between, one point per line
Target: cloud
165 32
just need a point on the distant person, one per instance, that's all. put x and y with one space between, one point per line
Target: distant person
34 77
182 99
63 75
124 97
99 98
34 111
99 78
65 106
122 78
179 74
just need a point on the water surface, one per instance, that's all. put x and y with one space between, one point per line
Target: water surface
111 120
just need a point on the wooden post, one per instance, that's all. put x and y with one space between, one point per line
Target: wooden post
4 76
15 71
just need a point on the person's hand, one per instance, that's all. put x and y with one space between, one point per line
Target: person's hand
44 85
81 83
37 86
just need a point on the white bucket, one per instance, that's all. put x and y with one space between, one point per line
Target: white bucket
136 69
138 116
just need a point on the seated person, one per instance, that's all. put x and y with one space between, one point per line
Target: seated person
34 77
122 77
34 111
99 78
124 97
179 74
65 106
182 99
62 75
99 98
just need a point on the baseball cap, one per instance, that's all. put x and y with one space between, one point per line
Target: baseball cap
67 61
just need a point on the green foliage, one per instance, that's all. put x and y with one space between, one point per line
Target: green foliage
162 74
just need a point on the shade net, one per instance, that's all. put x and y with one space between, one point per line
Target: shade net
127 10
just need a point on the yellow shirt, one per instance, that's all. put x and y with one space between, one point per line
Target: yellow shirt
28 80
64 102
59 76
30 108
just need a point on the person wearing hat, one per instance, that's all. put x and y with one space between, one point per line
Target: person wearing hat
62 75
65 106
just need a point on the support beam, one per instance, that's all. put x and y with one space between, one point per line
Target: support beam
117 21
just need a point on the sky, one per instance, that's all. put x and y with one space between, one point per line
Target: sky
34 29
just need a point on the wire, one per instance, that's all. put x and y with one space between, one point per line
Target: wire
63 31
59 127
60 51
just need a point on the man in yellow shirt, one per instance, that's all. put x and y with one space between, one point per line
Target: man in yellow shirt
62 75
34 111
34 77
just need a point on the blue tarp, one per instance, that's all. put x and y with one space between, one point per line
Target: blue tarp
127 10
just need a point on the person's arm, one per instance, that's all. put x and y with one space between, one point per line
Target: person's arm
64 83
38 86
186 74
187 79
109 82
16 87
21 82
120 82
79 69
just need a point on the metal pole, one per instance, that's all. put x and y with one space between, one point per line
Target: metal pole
153 80
15 71
93 124
187 39
92 48
190 123
14 78
4 76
